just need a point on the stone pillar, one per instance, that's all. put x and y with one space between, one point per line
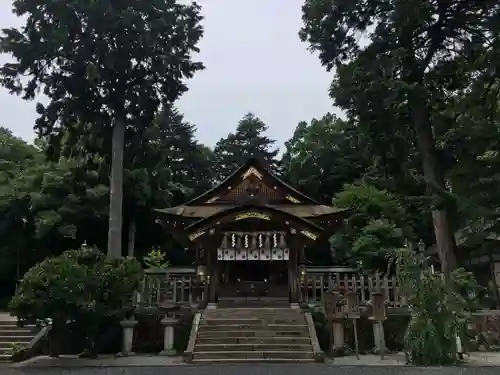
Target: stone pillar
128 336
379 338
168 336
338 336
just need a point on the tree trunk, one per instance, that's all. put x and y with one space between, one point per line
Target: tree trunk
55 336
116 190
495 285
434 176
131 237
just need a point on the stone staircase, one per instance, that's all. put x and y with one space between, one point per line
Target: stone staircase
255 334
12 336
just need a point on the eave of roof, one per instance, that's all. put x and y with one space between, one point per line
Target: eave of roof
246 207
203 211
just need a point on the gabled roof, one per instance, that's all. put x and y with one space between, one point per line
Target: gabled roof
252 166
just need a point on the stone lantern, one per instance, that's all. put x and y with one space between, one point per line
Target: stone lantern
379 315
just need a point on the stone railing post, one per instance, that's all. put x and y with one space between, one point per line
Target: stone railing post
169 322
168 336
128 336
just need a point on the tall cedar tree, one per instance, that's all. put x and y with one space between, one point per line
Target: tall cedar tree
189 160
248 141
417 52
108 63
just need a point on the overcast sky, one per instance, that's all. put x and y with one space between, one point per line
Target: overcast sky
254 62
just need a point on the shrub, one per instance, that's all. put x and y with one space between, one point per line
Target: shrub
439 308
82 286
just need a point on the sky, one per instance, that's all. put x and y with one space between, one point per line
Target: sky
254 62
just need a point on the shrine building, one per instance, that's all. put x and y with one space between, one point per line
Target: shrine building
250 235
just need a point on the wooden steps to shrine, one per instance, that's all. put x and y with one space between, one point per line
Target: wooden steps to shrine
254 334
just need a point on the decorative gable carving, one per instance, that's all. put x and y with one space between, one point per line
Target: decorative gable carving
251 188
252 171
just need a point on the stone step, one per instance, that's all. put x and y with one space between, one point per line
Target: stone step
16 332
7 343
8 321
261 355
254 321
253 360
216 321
4 357
247 310
16 338
253 340
5 330
264 333
267 327
252 348
253 305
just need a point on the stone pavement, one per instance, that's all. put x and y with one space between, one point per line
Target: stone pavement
392 360
479 359
254 369
65 361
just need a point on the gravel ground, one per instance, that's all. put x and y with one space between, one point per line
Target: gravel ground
257 369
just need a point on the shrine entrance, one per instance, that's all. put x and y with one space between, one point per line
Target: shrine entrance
253 280
253 266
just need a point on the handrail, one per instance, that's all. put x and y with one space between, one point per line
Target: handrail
188 353
319 356
32 348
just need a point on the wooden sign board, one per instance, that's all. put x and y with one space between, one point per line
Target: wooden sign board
379 307
352 300
333 306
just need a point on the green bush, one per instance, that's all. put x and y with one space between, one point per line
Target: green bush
81 286
440 309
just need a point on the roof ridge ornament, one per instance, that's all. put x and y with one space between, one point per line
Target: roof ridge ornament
251 171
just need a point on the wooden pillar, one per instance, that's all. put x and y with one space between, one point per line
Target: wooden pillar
216 277
212 264
293 267
206 288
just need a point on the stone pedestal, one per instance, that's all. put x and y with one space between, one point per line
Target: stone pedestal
168 336
339 347
128 336
379 338
338 335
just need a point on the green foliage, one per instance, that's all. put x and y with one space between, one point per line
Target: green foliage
54 288
374 226
120 62
118 56
156 259
248 141
439 309
15 348
79 285
324 155
404 83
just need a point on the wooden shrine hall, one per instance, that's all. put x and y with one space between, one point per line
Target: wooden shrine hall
251 235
